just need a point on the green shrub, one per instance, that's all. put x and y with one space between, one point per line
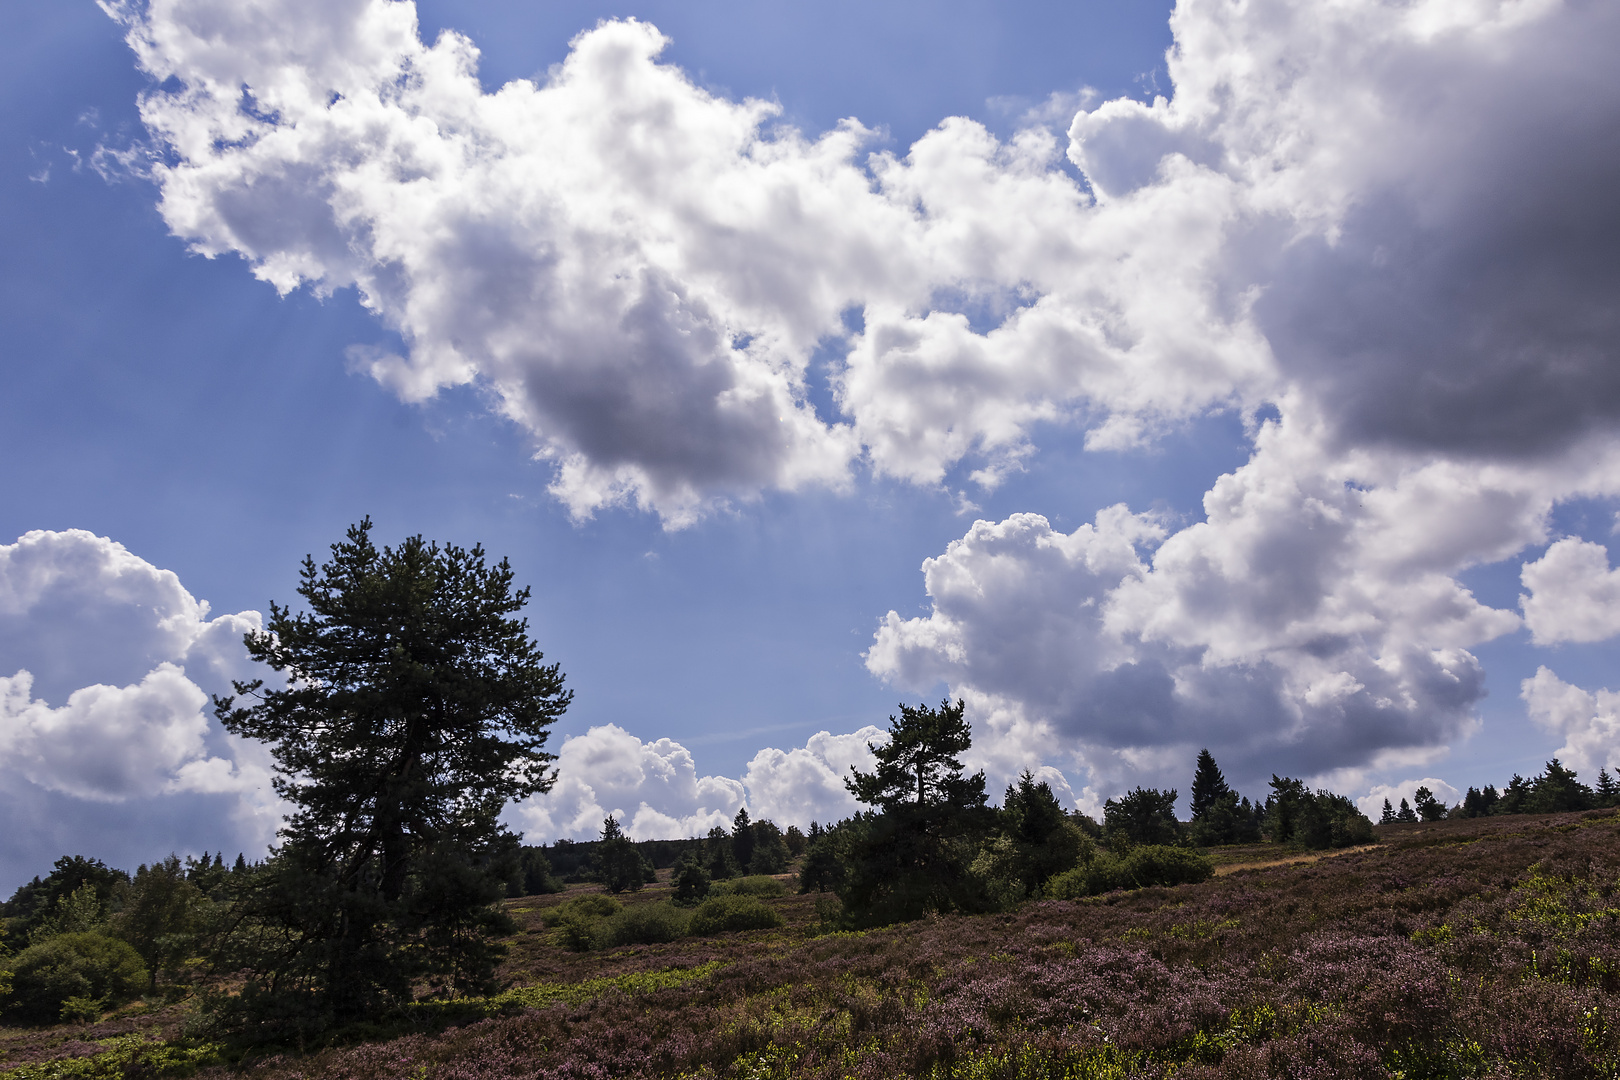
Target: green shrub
582 921
1149 864
758 885
81 1010
644 924
719 914
590 906
691 883
86 965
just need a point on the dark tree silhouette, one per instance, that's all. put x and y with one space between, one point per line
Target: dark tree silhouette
415 707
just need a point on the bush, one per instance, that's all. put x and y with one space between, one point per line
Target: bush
1150 864
720 914
581 921
87 966
758 885
691 883
589 906
644 924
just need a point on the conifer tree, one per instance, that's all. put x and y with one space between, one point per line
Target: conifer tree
414 708
914 855
1406 813
1606 792
1208 786
1389 814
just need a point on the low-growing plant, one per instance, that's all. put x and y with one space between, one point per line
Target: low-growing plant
644 924
589 906
1140 867
757 885
581 922
721 914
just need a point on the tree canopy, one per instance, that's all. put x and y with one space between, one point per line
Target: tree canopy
920 765
415 706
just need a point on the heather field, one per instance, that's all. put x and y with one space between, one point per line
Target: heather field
1486 947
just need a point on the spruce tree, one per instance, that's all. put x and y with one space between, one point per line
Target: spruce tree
1389 814
1606 792
1208 786
1406 813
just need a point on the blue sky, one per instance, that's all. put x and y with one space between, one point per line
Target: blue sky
1141 310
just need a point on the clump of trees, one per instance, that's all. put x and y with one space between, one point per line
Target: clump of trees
930 842
87 938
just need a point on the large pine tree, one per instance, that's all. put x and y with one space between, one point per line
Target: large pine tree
414 708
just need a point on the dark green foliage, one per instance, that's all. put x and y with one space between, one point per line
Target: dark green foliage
1086 824
915 856
1327 820
1480 803
742 838
161 914
919 766
720 914
796 841
1140 867
532 874
1142 816
35 901
719 860
1557 791
1295 815
1406 814
91 966
1388 817
1427 806
79 912
618 865
1219 816
1606 792
644 924
208 875
1515 797
580 921
1034 841
691 882
416 706
770 854
1209 785
828 853
1228 820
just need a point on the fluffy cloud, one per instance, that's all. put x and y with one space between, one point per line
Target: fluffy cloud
654 789
1372 804
1310 624
1391 222
805 784
1589 723
641 270
1574 596
107 708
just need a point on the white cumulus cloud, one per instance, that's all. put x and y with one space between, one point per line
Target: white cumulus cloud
105 712
1372 803
1573 596
1588 722
654 789
1392 224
